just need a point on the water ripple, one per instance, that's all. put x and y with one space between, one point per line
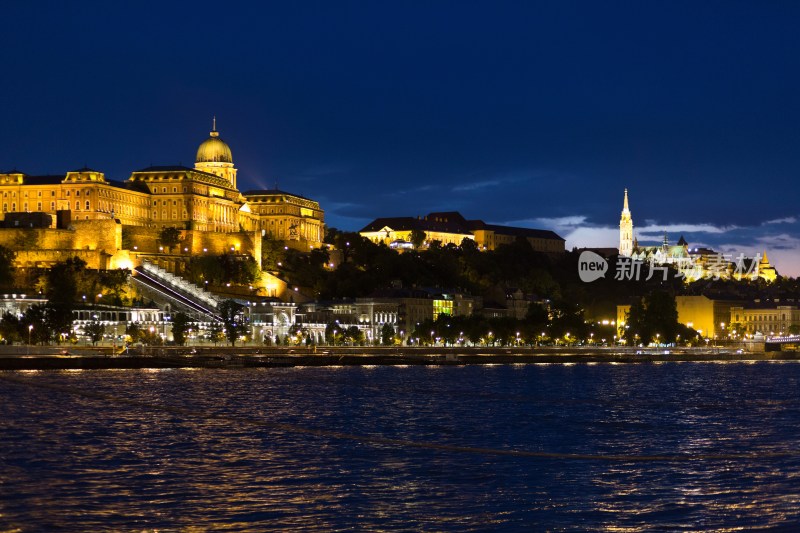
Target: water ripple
82 463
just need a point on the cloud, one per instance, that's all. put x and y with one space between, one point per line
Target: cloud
784 220
685 228
557 224
592 238
477 185
496 181
782 241
415 190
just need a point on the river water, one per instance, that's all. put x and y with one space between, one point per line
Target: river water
697 446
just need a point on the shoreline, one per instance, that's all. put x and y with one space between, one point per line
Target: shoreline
275 357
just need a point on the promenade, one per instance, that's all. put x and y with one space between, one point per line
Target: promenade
88 358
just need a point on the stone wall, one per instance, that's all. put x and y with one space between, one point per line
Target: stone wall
195 242
45 258
94 241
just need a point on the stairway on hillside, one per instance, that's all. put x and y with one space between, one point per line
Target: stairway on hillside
167 289
181 286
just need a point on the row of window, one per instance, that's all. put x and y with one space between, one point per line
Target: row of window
38 206
39 193
763 318
134 198
164 190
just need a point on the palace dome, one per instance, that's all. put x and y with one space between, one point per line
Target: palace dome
214 150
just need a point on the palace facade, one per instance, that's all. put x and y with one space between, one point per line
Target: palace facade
452 228
204 198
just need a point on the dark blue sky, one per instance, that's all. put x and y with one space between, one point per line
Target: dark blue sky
537 114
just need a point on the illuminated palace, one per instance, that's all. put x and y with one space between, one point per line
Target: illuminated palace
452 228
203 199
691 263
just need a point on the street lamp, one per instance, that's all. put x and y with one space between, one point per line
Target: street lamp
30 330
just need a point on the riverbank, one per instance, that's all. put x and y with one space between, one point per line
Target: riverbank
227 357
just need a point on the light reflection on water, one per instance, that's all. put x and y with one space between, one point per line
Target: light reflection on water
79 463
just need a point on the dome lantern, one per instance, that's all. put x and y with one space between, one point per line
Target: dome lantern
214 157
214 149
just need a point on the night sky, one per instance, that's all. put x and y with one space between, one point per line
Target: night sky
526 113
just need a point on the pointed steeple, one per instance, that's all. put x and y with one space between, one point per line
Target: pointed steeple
682 242
214 132
625 229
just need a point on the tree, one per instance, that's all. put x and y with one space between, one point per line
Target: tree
224 268
9 328
387 334
653 318
468 245
7 269
232 315
134 331
180 325
151 337
354 335
417 237
94 330
62 291
333 332
272 253
169 237
35 324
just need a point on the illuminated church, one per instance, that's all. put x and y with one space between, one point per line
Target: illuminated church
691 263
203 201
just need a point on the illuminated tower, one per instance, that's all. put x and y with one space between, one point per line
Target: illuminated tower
625 230
214 156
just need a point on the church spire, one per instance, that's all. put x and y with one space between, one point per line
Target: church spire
625 229
214 132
